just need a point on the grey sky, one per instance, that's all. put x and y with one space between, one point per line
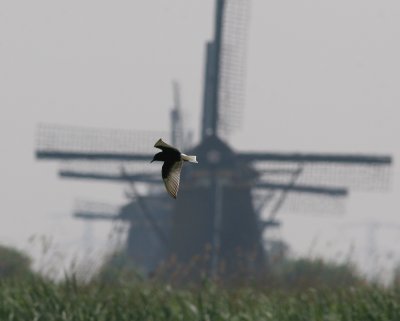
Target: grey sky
321 76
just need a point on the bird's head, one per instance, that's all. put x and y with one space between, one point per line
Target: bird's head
157 157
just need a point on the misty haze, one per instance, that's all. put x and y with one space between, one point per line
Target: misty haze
291 109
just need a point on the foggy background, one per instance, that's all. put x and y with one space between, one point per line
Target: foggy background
321 77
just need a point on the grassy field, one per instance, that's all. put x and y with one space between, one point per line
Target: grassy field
38 299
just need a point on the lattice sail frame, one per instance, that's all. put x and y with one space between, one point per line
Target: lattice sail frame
232 66
109 167
356 177
296 202
62 138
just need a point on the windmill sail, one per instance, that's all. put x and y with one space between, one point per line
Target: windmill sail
223 98
363 172
72 142
232 66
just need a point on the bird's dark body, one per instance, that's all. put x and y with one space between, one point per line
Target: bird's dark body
169 157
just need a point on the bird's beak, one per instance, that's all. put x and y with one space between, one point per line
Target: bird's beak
152 161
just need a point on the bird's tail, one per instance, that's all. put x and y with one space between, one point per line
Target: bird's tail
191 159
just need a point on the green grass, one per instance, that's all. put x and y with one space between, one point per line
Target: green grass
38 299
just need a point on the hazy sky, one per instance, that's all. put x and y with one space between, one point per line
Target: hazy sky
326 70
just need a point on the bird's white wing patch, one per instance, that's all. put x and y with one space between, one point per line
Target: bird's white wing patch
189 158
163 145
172 180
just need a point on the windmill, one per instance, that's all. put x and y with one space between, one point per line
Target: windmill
217 213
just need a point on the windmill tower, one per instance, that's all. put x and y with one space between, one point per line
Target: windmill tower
215 214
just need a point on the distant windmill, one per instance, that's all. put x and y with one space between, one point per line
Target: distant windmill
220 201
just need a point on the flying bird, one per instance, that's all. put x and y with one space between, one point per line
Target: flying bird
171 170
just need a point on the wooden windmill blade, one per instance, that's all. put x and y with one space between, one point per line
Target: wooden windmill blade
231 89
223 95
300 200
140 172
362 172
304 189
355 172
298 197
112 177
356 159
60 142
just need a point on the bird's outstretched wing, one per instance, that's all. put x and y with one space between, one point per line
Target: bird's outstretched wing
163 145
171 174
